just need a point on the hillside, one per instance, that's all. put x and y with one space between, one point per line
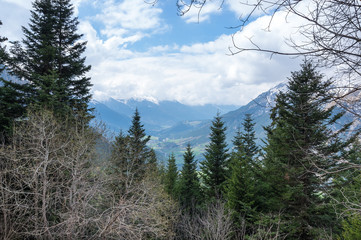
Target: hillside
172 125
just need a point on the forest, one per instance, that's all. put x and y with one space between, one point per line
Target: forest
62 178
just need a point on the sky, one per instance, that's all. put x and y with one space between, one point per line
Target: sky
148 51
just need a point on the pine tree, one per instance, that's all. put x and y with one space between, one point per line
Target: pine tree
152 162
171 176
11 101
299 143
51 61
240 187
131 158
189 188
139 152
120 164
214 167
248 137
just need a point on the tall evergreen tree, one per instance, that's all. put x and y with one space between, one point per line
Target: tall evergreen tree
131 158
139 152
152 162
299 143
171 175
119 163
189 188
9 109
214 167
240 188
50 59
248 137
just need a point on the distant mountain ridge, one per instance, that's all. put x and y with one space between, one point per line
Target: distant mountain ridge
172 125
155 116
259 108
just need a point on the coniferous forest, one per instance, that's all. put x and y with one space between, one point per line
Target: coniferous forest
62 178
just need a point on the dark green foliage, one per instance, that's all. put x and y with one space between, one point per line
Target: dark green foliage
50 60
240 189
299 146
171 176
131 158
11 103
214 167
152 163
138 150
120 153
248 138
119 164
346 192
189 188
352 227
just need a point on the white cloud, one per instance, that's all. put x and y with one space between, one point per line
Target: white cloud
199 73
197 14
16 13
21 3
76 4
130 14
194 74
13 15
242 8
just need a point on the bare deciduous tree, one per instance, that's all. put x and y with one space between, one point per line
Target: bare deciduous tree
143 210
214 223
47 188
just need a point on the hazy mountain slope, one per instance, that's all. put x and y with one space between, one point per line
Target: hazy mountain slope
175 138
259 108
154 115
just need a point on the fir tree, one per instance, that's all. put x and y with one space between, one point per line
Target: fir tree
240 188
120 154
299 143
189 189
51 61
171 176
248 137
11 102
138 149
214 167
152 163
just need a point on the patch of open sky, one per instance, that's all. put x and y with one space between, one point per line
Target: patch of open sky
174 30
182 33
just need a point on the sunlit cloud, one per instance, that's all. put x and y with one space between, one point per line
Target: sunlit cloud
199 73
197 14
196 73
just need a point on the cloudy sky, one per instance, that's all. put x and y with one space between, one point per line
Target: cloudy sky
141 50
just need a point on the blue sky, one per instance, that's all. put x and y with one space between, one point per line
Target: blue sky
140 50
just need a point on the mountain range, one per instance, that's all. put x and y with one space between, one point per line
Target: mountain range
173 125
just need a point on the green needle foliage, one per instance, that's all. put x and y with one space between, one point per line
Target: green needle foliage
241 186
138 150
214 166
300 148
171 176
11 103
189 187
50 60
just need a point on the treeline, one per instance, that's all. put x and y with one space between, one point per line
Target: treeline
57 183
302 184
